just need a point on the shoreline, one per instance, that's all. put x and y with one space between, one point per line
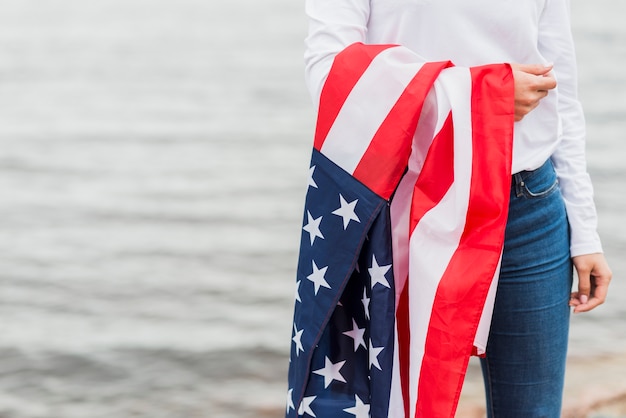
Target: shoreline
595 387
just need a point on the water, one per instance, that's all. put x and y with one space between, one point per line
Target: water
153 157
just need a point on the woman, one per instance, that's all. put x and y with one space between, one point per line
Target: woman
552 219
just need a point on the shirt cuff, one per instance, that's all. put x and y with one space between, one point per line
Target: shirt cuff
585 243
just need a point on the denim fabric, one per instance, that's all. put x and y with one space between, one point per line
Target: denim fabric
524 366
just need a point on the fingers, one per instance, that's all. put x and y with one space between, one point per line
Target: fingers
537 82
545 83
580 299
594 276
540 76
535 69
532 83
598 297
584 281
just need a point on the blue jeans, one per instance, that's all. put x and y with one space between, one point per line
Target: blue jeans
524 367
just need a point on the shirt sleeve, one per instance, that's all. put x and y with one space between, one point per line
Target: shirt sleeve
333 25
556 44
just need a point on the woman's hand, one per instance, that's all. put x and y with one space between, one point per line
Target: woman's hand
532 82
594 276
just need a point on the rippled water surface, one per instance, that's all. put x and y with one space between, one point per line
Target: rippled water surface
152 162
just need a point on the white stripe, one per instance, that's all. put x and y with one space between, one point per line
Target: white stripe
400 223
396 401
379 89
401 205
436 237
484 325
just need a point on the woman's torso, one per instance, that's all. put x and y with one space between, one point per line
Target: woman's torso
466 32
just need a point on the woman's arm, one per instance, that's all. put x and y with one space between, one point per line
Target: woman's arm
557 45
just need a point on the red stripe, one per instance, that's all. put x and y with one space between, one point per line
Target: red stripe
387 156
436 176
404 344
455 320
352 63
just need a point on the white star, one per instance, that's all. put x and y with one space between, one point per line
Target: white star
373 353
290 404
317 277
297 296
305 406
346 211
360 410
297 339
366 303
331 372
311 181
377 273
357 335
313 227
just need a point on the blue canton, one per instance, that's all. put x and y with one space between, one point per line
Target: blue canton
343 329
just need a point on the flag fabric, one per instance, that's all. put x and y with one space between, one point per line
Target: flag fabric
402 235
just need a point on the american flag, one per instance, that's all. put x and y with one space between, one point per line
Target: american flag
402 234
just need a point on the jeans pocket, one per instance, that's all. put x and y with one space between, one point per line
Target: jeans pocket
540 183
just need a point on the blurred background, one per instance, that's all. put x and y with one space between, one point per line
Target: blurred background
153 163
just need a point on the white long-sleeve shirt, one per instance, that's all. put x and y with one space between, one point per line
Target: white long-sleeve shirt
471 33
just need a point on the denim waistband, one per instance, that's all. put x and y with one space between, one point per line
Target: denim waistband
519 178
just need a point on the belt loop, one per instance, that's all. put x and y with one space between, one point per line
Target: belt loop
519 183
